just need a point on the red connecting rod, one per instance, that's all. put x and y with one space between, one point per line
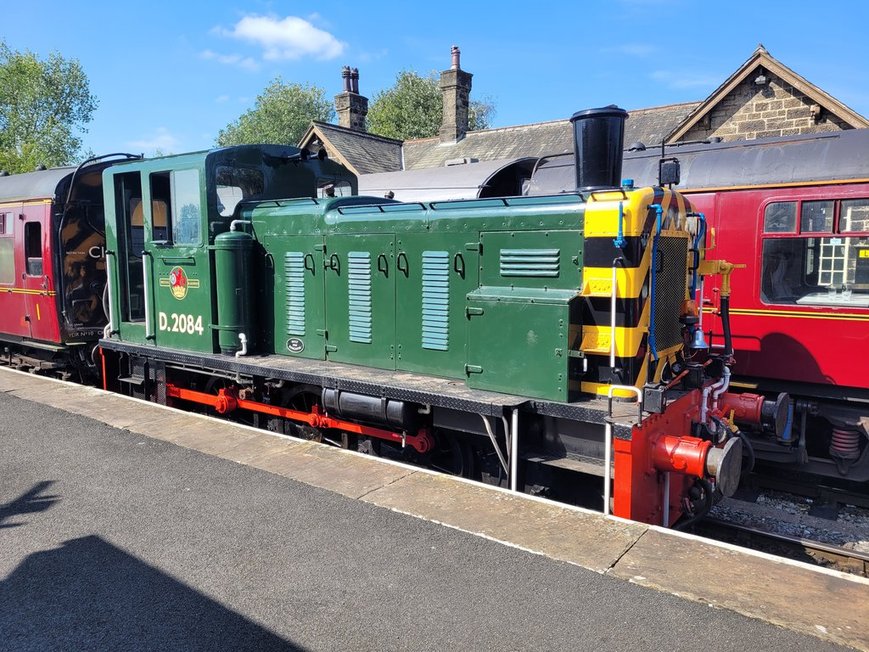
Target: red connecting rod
227 400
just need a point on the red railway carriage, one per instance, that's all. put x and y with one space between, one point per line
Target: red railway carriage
52 266
795 212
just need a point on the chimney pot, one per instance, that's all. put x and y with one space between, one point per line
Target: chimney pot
455 85
345 76
354 81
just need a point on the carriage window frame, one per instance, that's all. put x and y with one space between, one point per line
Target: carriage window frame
7 248
823 281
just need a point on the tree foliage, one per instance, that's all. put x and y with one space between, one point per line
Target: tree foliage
43 105
413 108
281 115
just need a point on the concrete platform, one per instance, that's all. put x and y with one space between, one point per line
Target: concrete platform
828 605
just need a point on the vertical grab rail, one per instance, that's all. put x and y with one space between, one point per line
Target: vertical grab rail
608 437
110 255
146 290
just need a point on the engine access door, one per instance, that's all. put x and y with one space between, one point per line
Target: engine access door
360 299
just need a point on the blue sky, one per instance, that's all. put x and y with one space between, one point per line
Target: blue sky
170 74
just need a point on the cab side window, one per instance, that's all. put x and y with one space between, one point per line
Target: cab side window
176 218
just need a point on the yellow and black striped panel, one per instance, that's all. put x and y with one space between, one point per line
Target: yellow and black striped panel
633 341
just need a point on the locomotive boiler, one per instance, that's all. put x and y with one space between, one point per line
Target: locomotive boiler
548 344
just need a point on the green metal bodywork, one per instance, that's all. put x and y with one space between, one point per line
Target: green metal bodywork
479 290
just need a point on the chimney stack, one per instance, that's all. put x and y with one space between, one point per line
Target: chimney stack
455 86
350 105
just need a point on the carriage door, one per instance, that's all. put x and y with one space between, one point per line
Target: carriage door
38 290
177 261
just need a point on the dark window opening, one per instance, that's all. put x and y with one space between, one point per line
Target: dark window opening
33 248
131 241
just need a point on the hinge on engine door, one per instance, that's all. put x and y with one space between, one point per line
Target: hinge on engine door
322 332
331 348
473 369
474 246
473 310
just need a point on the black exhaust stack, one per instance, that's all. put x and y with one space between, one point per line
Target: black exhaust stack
599 136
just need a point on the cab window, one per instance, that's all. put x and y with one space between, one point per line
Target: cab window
236 184
175 207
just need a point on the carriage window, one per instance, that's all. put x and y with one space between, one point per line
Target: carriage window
235 184
33 248
854 216
7 261
816 217
780 217
816 271
7 221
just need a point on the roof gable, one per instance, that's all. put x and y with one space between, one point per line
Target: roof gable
763 59
361 152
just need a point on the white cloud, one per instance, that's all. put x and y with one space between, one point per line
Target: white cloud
680 79
161 140
632 49
286 38
247 63
221 99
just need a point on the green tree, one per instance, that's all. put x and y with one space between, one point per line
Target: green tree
281 115
413 108
43 105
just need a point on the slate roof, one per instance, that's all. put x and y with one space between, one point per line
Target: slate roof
362 152
649 126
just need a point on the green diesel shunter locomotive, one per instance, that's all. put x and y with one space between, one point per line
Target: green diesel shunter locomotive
482 337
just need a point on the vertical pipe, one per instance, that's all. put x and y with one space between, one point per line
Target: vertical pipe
607 464
613 318
514 449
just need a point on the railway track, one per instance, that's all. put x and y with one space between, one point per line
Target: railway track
791 547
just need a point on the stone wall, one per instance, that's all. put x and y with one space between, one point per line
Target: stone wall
758 111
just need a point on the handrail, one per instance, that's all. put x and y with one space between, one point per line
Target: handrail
146 290
110 255
608 438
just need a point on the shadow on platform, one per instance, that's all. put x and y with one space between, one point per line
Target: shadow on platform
30 502
91 595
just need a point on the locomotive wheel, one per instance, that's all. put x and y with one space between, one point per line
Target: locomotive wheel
453 456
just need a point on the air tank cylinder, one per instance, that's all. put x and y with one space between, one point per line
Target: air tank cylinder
599 136
233 254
